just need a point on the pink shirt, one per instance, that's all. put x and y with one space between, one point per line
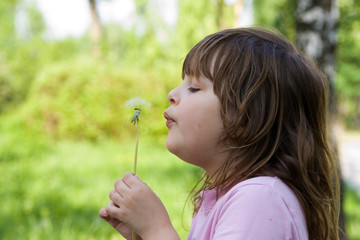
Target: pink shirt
258 208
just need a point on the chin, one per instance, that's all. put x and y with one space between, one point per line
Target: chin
174 148
170 146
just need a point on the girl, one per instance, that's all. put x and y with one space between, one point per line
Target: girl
251 112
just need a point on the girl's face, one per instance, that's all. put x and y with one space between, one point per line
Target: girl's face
195 124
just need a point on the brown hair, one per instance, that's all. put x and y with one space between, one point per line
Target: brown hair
274 109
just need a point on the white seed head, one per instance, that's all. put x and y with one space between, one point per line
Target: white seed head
137 103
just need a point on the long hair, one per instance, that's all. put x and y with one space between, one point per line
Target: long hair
273 104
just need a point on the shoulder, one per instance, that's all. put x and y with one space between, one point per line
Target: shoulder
262 186
266 193
264 203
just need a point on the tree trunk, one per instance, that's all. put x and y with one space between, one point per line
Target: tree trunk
316 25
95 28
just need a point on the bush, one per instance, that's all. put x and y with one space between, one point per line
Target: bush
85 99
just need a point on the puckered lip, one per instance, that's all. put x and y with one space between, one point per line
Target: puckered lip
169 120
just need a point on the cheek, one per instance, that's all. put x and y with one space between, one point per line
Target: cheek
203 126
194 122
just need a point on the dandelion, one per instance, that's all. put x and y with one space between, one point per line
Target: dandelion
138 105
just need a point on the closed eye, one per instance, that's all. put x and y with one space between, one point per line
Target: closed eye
193 90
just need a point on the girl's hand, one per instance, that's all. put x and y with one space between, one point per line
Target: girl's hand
136 206
123 229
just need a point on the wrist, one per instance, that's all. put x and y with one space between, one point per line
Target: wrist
162 233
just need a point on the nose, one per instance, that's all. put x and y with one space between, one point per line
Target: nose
172 96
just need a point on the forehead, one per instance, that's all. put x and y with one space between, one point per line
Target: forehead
196 78
192 79
200 61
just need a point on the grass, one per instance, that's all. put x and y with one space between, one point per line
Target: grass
352 211
57 195
54 191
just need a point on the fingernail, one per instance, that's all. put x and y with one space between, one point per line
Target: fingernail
106 214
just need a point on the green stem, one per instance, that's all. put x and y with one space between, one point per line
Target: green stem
133 234
136 147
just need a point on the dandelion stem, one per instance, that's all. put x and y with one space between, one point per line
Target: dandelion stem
136 146
133 234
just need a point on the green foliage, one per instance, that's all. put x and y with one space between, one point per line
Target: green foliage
352 209
196 20
18 56
18 142
16 73
7 25
348 80
19 69
348 75
279 14
85 99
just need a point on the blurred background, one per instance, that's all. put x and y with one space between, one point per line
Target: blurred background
67 67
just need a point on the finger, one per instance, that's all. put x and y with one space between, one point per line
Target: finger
112 221
121 187
130 180
103 213
116 197
112 209
115 222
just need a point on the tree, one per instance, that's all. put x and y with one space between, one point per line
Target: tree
316 26
95 28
